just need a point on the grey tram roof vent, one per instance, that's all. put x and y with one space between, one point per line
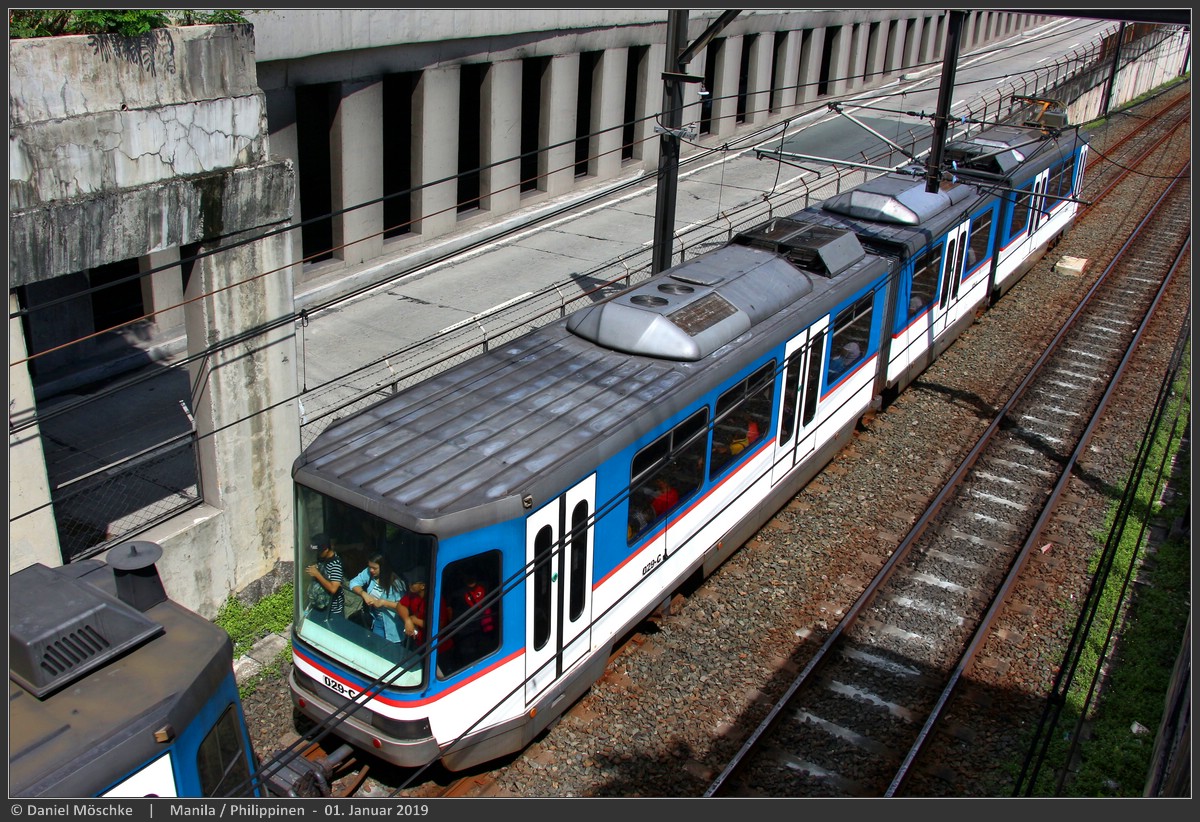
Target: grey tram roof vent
60 628
689 312
996 150
819 249
896 198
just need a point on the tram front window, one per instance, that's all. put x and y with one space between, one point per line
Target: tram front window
352 568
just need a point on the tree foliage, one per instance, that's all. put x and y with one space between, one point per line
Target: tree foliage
24 23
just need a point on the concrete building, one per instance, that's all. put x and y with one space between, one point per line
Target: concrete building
408 125
170 197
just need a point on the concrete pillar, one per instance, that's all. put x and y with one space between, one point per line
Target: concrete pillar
646 143
787 71
246 415
810 65
724 96
281 110
839 63
692 108
608 113
856 65
356 157
500 138
162 291
893 61
758 86
435 152
560 91
928 35
876 44
32 532
912 41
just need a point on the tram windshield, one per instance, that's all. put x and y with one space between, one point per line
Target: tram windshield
376 566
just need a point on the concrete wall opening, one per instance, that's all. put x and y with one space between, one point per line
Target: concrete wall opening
398 90
589 67
315 109
470 115
534 74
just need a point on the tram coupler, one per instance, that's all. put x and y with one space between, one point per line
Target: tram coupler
308 776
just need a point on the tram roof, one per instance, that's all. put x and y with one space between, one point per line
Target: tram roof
462 449
65 739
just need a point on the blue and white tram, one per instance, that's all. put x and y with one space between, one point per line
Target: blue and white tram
552 492
959 249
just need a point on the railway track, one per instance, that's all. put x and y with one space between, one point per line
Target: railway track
858 716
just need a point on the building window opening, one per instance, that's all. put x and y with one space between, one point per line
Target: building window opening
634 68
744 77
826 75
712 54
315 107
470 114
589 64
533 74
398 91
778 51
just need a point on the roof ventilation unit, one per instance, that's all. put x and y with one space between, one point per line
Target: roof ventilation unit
817 249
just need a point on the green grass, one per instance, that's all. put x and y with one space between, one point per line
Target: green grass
248 624
26 23
1112 760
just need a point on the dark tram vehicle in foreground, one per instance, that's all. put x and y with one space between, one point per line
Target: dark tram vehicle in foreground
115 690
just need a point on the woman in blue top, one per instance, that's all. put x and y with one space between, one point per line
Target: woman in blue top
380 589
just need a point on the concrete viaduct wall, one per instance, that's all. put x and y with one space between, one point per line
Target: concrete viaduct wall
789 62
130 148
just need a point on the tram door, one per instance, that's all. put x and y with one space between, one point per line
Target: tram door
558 598
953 262
804 359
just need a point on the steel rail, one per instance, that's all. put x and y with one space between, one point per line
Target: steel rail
918 528
983 630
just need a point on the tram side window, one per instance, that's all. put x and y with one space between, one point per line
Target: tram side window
221 759
1059 186
743 414
812 391
924 281
472 602
543 595
791 392
665 473
981 231
577 559
851 331
1020 214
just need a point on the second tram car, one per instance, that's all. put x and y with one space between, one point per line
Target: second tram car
545 496
115 690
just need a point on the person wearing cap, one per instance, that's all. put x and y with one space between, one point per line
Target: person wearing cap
327 572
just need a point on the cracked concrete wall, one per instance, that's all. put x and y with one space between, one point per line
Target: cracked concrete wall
120 147
89 114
